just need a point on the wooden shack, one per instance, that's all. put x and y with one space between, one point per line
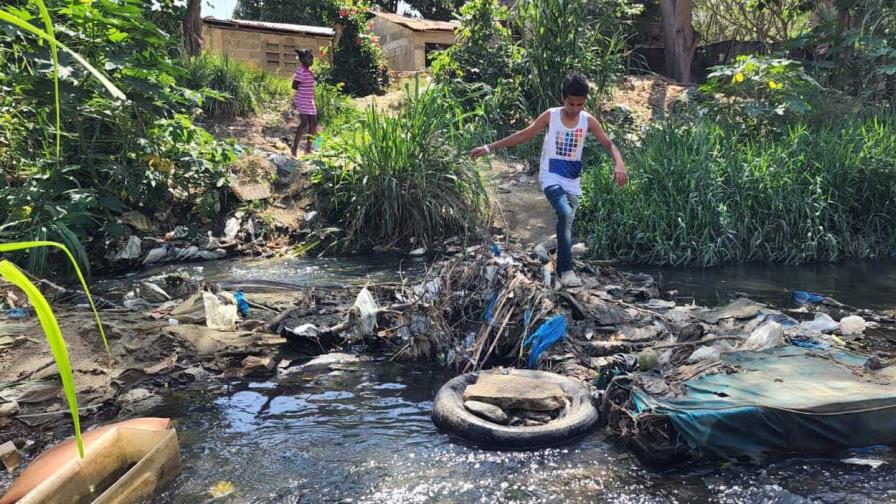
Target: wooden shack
409 42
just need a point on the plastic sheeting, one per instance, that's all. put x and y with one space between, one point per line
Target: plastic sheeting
782 400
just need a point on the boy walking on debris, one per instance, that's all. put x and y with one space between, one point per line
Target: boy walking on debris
561 161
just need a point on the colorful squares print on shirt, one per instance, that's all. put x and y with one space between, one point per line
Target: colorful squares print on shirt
568 142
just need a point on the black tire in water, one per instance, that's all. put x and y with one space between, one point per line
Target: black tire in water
579 418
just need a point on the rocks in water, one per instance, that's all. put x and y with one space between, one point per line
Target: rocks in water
324 361
487 411
515 392
131 250
155 255
419 252
254 364
212 255
138 400
153 293
852 325
187 253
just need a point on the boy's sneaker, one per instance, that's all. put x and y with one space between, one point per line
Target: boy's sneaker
569 279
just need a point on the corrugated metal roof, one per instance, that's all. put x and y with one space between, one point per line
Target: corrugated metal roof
418 24
270 27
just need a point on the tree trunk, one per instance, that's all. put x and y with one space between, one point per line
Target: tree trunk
679 39
193 28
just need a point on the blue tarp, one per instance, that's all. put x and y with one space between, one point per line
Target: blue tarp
783 400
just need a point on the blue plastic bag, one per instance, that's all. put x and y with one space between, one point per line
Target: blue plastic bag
16 313
803 297
544 338
490 309
242 305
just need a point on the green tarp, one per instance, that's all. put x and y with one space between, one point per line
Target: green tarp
783 400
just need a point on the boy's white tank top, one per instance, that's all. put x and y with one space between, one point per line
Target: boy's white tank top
561 156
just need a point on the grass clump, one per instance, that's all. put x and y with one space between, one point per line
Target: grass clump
393 178
231 88
704 193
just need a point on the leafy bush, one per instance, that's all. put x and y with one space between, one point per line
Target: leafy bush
187 163
523 58
853 50
231 88
303 12
359 62
703 193
483 50
760 89
397 177
334 108
71 188
556 37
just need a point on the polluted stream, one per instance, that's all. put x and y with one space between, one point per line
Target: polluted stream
362 432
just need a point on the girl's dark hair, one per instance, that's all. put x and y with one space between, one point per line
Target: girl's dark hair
305 53
574 84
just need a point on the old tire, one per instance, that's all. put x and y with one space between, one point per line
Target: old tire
449 414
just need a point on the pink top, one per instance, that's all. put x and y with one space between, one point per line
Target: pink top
304 98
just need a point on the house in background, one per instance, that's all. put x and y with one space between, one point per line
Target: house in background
266 46
409 42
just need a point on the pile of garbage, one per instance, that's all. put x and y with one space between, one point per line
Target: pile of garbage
493 306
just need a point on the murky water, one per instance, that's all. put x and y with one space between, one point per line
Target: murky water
363 434
864 284
292 271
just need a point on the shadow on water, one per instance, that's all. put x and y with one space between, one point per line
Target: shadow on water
363 434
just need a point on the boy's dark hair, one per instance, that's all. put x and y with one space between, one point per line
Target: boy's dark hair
304 53
574 84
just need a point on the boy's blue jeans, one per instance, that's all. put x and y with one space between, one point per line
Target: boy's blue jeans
565 205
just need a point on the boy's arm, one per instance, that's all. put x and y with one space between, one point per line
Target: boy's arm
619 172
521 136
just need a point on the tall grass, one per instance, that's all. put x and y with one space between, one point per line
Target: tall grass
702 194
233 89
335 109
392 178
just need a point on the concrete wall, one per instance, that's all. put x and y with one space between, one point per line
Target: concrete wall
405 48
271 52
